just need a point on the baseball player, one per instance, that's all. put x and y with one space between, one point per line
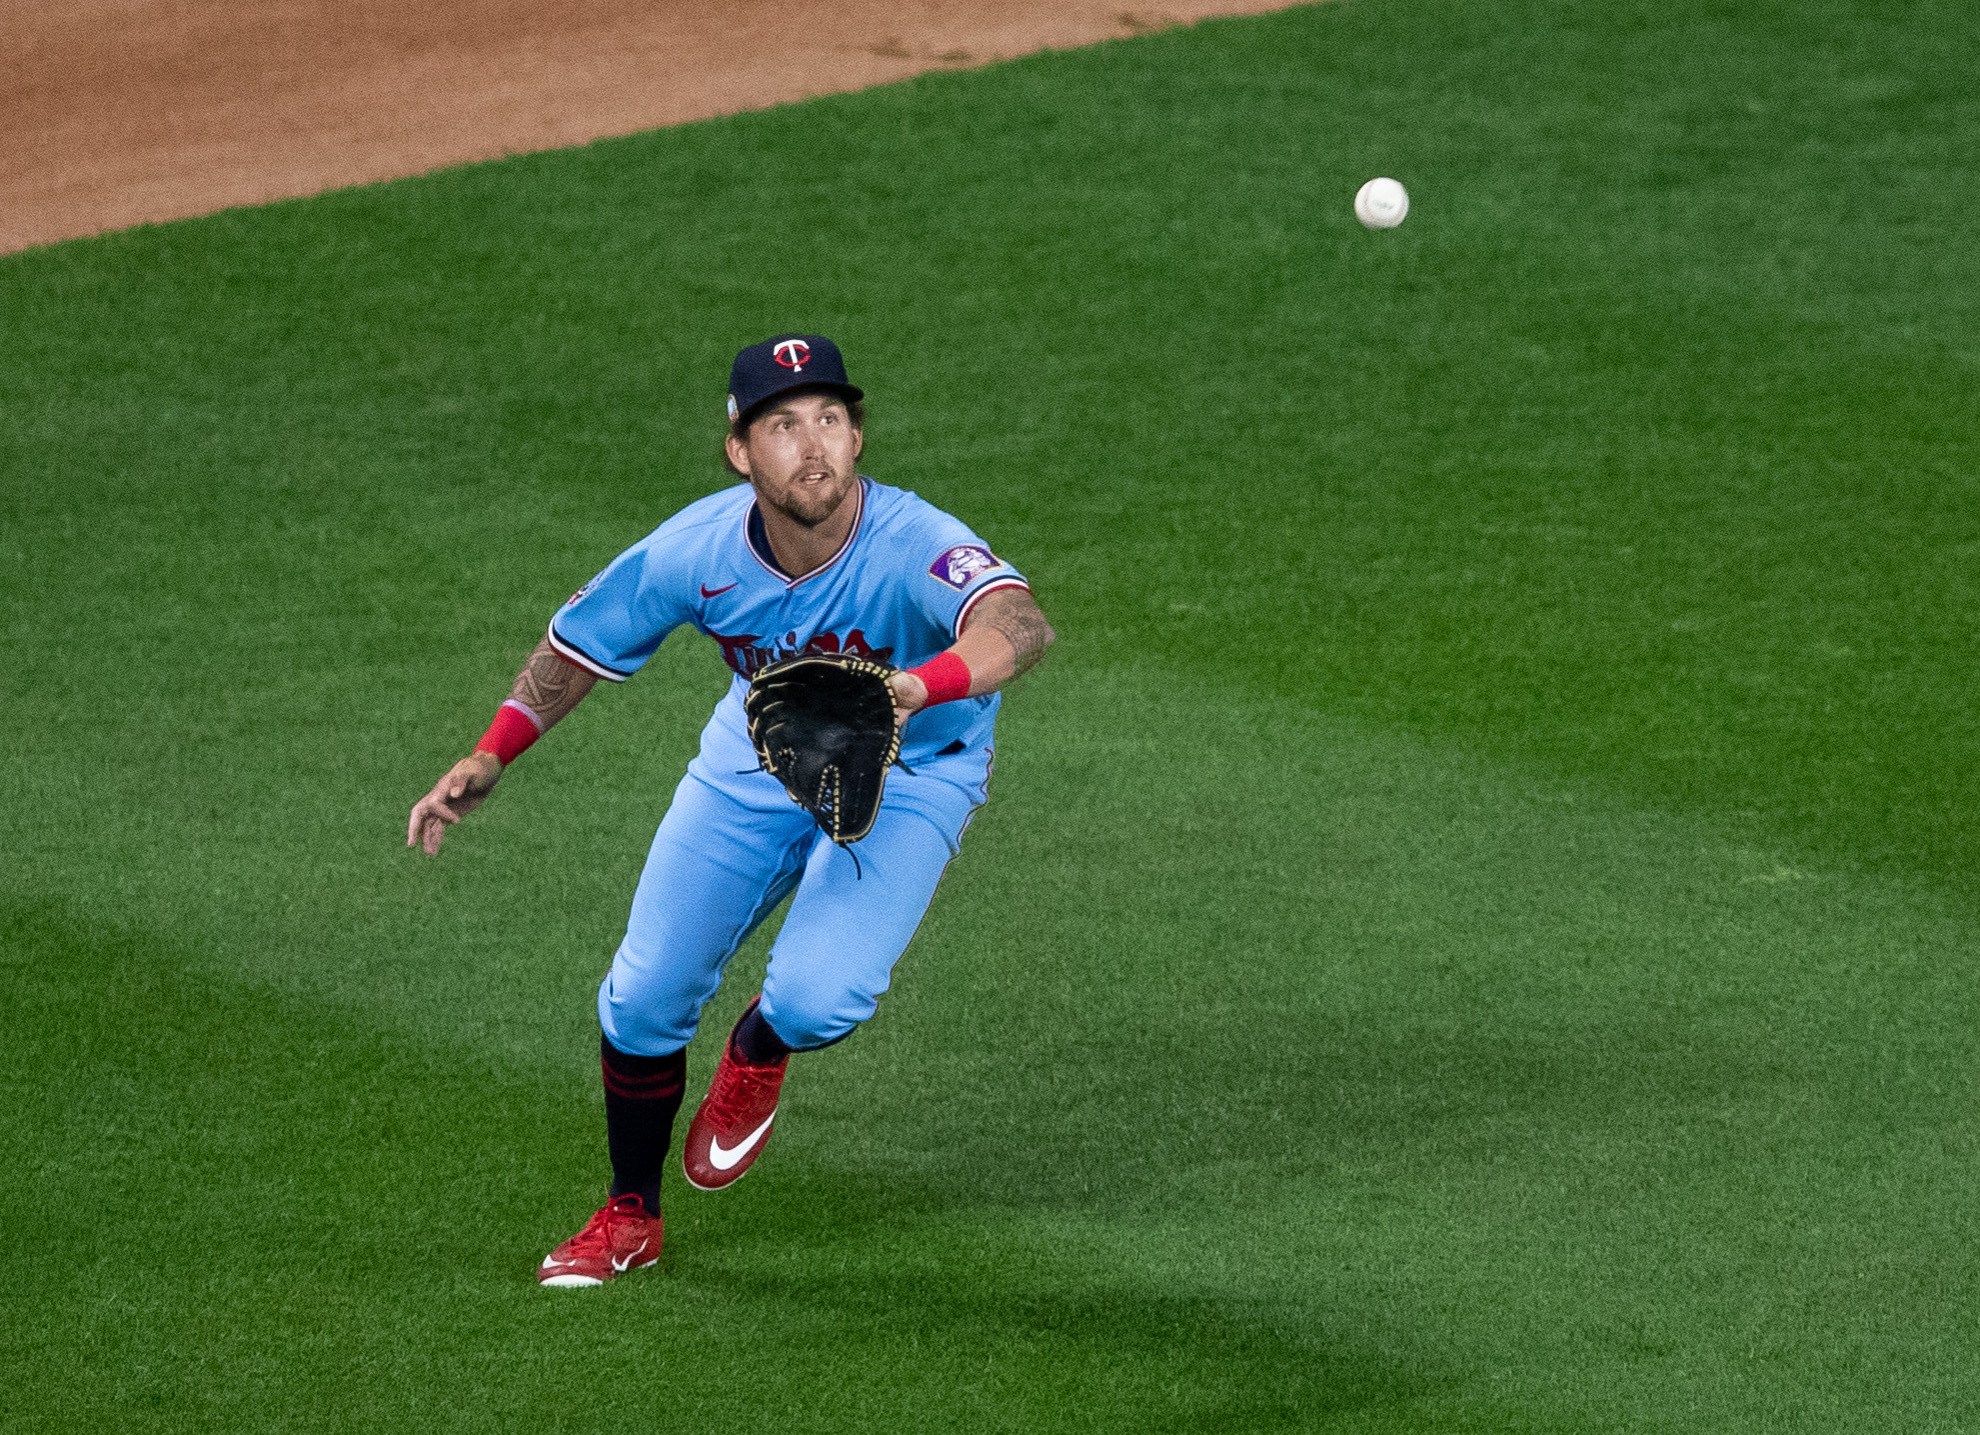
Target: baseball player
806 556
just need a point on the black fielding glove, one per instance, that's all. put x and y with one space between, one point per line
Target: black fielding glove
824 727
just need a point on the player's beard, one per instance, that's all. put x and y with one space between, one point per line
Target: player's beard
813 507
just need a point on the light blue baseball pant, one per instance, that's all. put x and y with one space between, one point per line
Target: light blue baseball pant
725 855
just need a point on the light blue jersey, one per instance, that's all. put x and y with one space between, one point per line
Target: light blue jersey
899 591
732 844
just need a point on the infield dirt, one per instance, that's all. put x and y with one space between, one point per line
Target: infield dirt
119 112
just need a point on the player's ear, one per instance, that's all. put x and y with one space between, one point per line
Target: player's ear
859 442
738 454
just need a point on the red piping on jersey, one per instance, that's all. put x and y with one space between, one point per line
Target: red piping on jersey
962 616
571 655
779 574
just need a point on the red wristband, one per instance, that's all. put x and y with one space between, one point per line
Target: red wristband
510 734
946 677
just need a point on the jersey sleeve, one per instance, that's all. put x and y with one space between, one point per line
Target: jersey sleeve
614 623
956 570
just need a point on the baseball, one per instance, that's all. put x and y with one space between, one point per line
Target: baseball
1381 204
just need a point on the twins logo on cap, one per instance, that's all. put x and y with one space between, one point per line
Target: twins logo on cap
784 362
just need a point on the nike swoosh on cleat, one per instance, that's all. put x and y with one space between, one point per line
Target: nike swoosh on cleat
620 1265
550 1263
722 1160
708 592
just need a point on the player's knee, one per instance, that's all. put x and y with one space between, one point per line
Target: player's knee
644 1013
808 1014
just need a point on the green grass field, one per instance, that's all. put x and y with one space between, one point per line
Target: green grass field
1476 927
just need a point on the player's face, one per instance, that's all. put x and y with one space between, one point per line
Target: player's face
801 457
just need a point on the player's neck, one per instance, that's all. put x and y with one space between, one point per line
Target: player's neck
798 548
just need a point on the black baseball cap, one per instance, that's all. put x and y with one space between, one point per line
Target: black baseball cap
782 363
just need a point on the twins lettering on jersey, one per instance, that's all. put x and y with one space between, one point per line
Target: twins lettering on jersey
744 653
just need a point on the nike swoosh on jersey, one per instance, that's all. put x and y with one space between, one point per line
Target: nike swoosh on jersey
722 1160
708 592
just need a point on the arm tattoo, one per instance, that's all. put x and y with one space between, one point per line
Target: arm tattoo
1016 617
550 685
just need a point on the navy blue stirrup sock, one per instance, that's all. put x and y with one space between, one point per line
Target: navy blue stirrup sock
754 1043
642 1098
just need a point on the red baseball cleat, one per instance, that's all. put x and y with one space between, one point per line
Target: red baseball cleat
732 1126
620 1236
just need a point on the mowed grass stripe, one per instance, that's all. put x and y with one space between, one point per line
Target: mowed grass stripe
1642 455
248 1214
1470 934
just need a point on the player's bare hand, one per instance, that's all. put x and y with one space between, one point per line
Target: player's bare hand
465 787
910 696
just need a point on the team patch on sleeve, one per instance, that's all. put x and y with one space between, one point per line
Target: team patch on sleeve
963 562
